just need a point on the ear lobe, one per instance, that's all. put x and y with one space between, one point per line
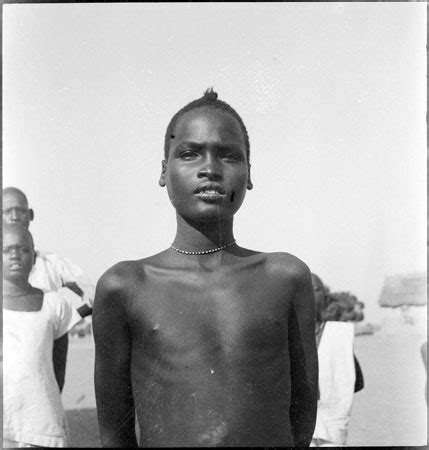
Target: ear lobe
31 214
162 181
249 181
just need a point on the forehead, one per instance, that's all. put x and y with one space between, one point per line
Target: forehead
208 124
14 199
16 237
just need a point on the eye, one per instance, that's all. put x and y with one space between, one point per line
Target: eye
188 155
231 156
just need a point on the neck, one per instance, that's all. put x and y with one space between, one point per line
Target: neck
15 288
201 236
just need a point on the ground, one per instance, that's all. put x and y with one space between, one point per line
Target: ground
390 411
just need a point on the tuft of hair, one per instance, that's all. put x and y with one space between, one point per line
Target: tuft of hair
209 98
17 228
14 190
210 95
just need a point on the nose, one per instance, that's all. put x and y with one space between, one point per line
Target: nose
15 253
14 214
210 168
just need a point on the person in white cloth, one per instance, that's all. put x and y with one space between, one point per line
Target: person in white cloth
33 324
337 374
50 272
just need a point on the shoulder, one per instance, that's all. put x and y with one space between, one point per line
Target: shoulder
49 259
56 301
119 276
288 267
46 256
118 284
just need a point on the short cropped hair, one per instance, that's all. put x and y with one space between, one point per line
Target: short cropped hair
210 98
14 190
17 228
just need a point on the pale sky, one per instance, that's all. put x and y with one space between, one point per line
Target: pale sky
333 96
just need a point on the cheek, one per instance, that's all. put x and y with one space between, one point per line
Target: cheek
178 186
239 188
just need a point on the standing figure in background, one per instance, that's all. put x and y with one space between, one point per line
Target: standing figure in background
33 324
50 272
337 371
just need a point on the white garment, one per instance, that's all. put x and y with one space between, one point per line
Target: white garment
32 408
51 272
336 382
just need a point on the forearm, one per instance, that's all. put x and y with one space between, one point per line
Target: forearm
304 371
115 408
59 358
303 408
303 416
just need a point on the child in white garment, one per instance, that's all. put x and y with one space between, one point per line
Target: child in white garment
33 326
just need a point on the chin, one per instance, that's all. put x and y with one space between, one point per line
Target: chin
211 214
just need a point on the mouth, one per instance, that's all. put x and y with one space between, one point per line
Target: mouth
210 192
16 266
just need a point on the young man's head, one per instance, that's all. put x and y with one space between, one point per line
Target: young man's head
15 208
18 253
206 167
319 297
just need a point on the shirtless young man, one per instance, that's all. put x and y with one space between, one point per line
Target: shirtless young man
211 344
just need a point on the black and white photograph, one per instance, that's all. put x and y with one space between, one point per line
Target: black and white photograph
214 224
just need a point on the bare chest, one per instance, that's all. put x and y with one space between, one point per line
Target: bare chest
220 317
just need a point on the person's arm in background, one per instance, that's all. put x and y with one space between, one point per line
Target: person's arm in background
73 278
59 358
66 317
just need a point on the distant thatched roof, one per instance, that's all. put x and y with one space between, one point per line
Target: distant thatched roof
401 290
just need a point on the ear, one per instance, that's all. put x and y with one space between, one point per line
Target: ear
35 256
249 180
31 214
162 181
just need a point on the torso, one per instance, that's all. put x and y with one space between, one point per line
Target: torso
210 361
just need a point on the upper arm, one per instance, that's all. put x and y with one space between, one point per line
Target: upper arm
113 362
110 324
303 357
302 323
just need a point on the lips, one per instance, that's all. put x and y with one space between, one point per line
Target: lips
210 193
210 189
16 266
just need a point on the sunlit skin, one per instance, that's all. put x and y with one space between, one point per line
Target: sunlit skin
210 350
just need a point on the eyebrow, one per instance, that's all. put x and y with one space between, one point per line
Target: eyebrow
190 144
199 146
